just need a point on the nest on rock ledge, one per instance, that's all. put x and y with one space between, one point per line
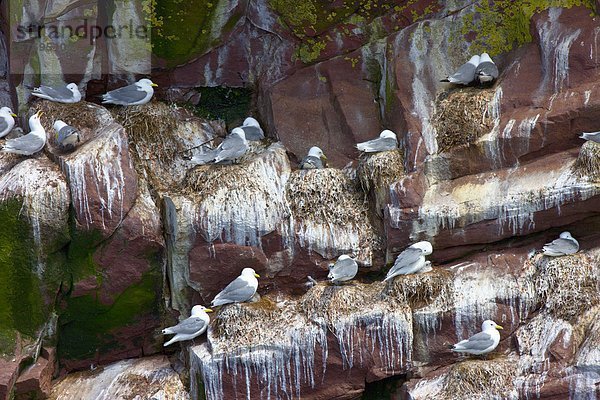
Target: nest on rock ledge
378 171
567 285
419 290
588 161
151 129
462 116
479 379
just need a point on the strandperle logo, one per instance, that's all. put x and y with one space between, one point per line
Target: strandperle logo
89 38
86 30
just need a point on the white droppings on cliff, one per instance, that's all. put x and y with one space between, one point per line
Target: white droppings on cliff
100 165
247 203
45 199
277 370
511 197
587 94
507 131
555 43
493 112
423 102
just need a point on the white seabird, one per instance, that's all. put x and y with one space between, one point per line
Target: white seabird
233 147
465 75
31 143
7 121
344 269
486 71
482 342
67 137
131 95
411 260
564 245
314 159
239 290
386 141
252 129
190 327
593 136
61 94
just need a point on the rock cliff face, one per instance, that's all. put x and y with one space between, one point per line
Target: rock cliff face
103 246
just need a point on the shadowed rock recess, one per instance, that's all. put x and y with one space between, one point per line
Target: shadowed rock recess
104 246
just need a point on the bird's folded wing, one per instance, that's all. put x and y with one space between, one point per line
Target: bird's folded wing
237 290
26 144
479 341
406 259
188 326
127 94
61 93
561 245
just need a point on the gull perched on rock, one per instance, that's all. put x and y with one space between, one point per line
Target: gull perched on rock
593 136
564 245
411 260
482 342
67 137
31 143
131 95
486 71
60 94
233 147
241 289
7 121
252 129
465 75
190 327
344 269
314 159
386 141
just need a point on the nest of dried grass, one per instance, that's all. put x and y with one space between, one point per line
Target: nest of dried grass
326 195
205 180
378 171
462 116
479 379
588 161
151 129
568 285
84 116
419 290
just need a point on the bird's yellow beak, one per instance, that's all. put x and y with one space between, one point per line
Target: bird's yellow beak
154 85
13 114
39 113
256 275
208 310
499 327
324 157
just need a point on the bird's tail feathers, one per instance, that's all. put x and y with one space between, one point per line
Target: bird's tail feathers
445 80
173 340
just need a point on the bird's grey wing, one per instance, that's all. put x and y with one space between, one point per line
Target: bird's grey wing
561 245
237 290
406 259
188 326
126 94
58 93
232 147
65 132
253 132
26 145
593 136
310 162
205 157
345 268
464 75
479 341
487 68
369 145
3 125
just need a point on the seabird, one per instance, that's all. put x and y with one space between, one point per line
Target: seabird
482 342
314 160
386 141
67 137
465 75
60 94
239 290
486 71
7 121
190 327
564 245
344 269
411 260
31 143
132 95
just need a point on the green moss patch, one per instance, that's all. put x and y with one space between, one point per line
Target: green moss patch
86 326
21 303
502 25
232 105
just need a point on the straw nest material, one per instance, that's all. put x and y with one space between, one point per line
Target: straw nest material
588 161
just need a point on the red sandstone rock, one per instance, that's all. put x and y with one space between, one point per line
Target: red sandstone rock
35 381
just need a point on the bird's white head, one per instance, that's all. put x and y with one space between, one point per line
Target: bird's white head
251 122
58 125
489 324
474 60
147 82
566 235
387 134
239 132
485 57
344 257
34 121
75 90
425 247
198 309
250 272
316 152
7 111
